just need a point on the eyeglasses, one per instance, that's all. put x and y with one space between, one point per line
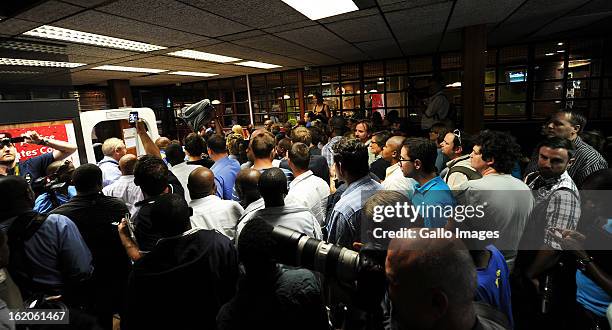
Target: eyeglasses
458 135
5 142
403 160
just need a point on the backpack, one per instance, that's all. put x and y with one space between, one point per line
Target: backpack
470 173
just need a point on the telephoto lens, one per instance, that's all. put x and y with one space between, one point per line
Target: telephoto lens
297 249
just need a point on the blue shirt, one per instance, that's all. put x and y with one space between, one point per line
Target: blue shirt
433 193
43 202
494 284
34 167
225 171
590 295
57 252
110 170
343 225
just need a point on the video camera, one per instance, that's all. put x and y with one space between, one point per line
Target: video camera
60 178
7 141
362 273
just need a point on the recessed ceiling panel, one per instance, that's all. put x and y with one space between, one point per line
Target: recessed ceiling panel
272 44
419 23
175 15
361 29
113 26
15 26
475 12
49 11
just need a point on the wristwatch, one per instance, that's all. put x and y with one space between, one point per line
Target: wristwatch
583 262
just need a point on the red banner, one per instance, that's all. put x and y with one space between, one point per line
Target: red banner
26 151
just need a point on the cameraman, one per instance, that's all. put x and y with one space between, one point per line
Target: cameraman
57 187
35 167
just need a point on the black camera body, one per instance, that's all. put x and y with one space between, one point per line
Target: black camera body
361 274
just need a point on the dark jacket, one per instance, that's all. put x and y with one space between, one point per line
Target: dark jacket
182 282
291 299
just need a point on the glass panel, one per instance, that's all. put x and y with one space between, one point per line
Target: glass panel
512 92
594 88
311 77
329 74
579 105
350 101
513 74
511 109
606 108
452 78
489 110
490 76
543 109
333 102
274 80
397 83
583 68
349 72
374 86
577 88
397 67
351 87
450 61
397 99
489 94
491 57
550 51
373 69
290 78
513 54
420 64
548 71
607 87
548 90
582 49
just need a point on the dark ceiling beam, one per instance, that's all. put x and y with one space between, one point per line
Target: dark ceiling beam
389 28
448 19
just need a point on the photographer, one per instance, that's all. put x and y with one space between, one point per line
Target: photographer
35 167
56 186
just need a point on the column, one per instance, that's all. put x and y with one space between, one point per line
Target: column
474 63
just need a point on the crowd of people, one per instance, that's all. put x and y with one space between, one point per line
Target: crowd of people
181 237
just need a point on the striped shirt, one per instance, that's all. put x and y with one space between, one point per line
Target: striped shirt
587 161
563 210
343 225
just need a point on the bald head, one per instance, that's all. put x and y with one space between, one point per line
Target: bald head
162 142
127 163
201 183
246 186
393 147
431 281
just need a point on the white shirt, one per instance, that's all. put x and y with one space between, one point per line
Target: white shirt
311 192
126 190
182 171
395 180
293 217
214 213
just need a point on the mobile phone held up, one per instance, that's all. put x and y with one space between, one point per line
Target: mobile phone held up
133 118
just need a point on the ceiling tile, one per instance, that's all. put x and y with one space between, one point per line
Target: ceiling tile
289 27
49 11
571 22
253 13
385 48
394 5
272 44
242 35
109 25
175 15
15 26
475 12
350 16
419 23
317 38
361 29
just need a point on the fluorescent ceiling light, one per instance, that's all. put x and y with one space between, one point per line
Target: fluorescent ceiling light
215 102
127 69
31 47
23 62
549 54
196 55
318 9
58 33
325 84
195 74
259 65
561 51
286 97
559 44
19 72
